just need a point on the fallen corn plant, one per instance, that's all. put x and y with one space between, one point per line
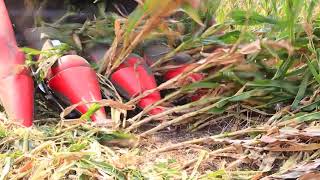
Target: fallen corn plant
257 117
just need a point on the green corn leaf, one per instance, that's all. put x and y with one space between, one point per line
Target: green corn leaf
216 174
238 97
285 85
199 85
312 106
31 51
134 18
302 90
105 167
192 13
94 108
77 147
216 110
113 136
313 70
241 17
283 69
305 117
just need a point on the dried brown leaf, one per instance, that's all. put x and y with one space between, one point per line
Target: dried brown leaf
292 147
310 176
251 48
268 139
268 161
300 170
46 62
282 44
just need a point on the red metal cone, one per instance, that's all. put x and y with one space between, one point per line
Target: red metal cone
73 78
132 78
16 94
16 85
193 77
179 70
154 52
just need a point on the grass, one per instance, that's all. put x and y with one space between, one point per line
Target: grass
258 118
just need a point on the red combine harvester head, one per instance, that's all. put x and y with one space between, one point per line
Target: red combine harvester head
72 78
181 61
132 78
16 84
